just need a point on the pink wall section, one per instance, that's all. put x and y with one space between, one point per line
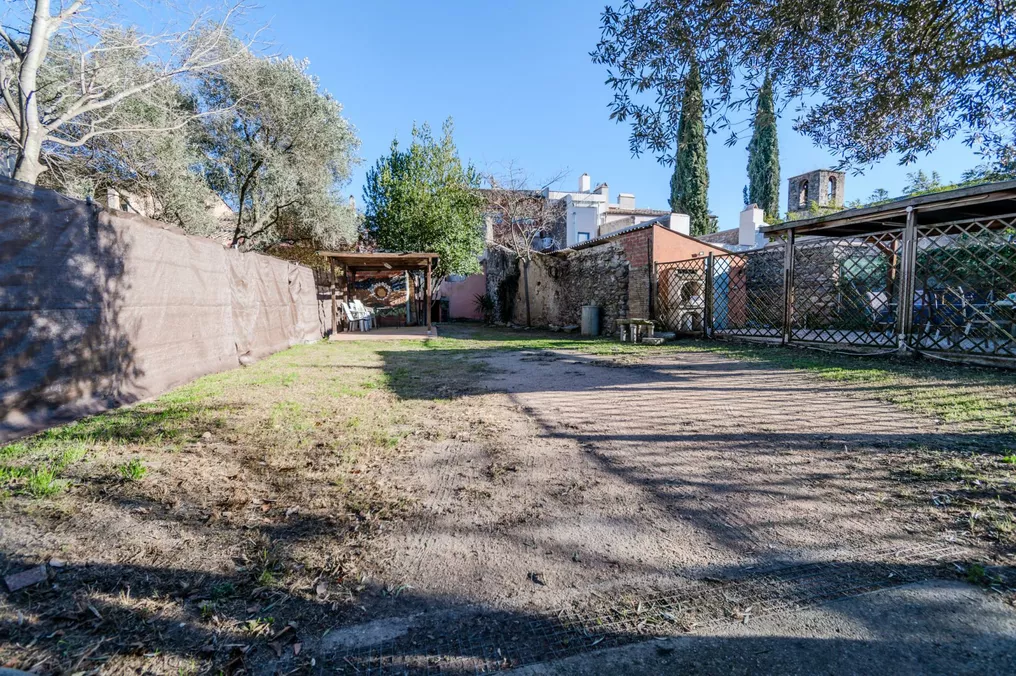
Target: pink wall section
462 296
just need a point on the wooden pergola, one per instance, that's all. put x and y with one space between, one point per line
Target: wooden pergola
353 263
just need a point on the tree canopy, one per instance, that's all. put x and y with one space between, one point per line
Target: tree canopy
871 78
280 155
764 156
67 71
689 186
424 199
192 127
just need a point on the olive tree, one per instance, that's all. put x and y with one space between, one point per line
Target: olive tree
870 78
280 156
68 67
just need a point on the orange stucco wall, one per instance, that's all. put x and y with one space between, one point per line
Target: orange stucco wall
671 246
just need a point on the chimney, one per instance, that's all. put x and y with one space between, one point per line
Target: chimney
680 223
112 198
352 202
626 200
752 218
584 183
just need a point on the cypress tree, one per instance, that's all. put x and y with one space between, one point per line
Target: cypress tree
689 186
764 156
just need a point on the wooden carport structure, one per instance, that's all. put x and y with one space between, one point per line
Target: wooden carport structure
353 263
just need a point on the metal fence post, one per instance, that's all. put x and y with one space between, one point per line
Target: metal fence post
707 314
907 286
654 271
788 285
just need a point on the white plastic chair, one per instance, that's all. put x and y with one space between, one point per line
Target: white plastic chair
365 313
353 317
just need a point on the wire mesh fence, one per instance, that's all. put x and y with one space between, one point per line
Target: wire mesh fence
947 289
845 290
965 288
681 296
747 293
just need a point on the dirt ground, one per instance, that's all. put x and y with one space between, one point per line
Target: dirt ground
533 505
597 488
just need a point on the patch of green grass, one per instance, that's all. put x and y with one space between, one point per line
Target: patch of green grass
259 626
42 483
33 467
977 490
132 470
223 590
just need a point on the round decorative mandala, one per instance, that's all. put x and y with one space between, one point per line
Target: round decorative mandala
381 290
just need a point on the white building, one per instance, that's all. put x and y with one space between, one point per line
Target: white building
589 213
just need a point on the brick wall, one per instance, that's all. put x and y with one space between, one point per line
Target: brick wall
637 247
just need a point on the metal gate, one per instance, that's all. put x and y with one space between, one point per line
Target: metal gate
681 301
747 293
965 288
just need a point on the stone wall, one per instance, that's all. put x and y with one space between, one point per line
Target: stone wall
559 285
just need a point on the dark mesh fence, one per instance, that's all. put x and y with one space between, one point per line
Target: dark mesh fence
845 290
681 295
747 293
948 289
965 288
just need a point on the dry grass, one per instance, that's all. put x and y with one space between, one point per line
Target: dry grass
195 528
217 513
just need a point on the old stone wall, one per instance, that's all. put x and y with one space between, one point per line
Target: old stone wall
559 285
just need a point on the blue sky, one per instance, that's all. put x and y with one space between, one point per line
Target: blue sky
519 83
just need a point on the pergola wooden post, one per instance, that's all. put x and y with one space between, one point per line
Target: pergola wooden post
335 306
377 262
427 294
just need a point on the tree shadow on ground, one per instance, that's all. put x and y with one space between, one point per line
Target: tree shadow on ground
122 617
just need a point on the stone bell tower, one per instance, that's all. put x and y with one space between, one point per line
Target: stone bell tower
824 187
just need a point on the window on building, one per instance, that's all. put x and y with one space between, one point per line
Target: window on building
802 195
832 190
583 237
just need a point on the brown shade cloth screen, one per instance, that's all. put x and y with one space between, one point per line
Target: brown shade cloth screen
100 307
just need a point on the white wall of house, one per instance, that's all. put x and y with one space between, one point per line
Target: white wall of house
588 210
582 224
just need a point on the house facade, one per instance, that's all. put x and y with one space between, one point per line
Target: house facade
588 213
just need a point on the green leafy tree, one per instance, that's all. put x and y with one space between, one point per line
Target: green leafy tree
872 78
689 186
424 199
155 174
67 68
279 159
878 195
764 156
919 183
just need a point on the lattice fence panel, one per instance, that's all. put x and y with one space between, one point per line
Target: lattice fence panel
846 290
680 293
748 293
965 288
